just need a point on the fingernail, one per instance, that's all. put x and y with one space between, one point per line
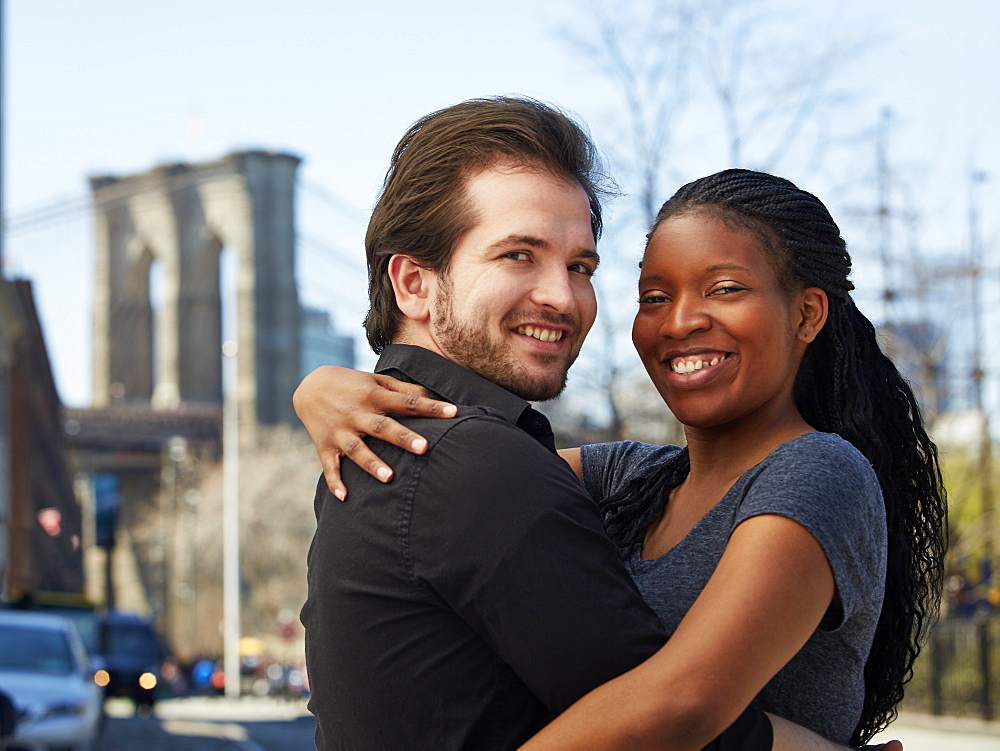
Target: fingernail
450 410
418 445
341 495
384 474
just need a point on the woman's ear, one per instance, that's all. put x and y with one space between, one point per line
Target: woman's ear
413 285
813 309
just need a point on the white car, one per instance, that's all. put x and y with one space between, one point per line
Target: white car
45 670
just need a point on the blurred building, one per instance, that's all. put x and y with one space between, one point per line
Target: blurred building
918 350
320 344
189 256
960 431
11 326
44 531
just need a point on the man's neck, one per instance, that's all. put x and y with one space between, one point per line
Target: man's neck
418 337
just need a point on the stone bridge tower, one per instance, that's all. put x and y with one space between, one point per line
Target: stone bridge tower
182 216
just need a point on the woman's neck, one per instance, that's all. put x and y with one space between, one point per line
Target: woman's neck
724 453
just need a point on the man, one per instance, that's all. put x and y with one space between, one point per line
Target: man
475 597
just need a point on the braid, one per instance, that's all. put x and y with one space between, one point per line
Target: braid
881 418
630 511
845 385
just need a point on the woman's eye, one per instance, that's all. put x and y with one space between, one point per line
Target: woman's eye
652 298
728 289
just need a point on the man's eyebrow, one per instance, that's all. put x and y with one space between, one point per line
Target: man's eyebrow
512 241
590 253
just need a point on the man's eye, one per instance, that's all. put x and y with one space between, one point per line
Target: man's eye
582 268
517 255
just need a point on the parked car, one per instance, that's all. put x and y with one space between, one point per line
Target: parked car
132 657
81 612
45 670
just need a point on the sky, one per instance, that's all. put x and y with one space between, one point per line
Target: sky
116 87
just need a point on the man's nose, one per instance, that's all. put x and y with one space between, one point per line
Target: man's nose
553 289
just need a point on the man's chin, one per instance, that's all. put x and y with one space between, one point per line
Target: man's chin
536 389
539 382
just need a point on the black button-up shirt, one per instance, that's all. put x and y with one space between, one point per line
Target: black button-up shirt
470 600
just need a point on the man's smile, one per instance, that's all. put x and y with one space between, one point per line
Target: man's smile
540 333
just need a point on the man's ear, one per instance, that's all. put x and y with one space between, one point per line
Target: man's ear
413 285
813 310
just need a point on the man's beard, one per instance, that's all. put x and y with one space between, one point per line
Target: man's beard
474 349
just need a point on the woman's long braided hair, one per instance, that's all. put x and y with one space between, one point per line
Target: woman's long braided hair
847 386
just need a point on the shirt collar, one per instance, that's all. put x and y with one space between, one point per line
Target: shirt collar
456 384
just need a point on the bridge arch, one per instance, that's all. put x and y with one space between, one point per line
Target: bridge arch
183 216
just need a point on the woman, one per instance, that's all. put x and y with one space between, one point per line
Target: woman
794 548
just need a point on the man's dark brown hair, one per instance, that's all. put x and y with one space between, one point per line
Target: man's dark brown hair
423 210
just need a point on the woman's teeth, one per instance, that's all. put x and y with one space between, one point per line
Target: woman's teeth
691 364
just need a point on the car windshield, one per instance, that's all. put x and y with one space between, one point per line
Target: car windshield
86 625
34 650
85 622
137 640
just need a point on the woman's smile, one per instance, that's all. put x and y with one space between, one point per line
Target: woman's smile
690 363
697 370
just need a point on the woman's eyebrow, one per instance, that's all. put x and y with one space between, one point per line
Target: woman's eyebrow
726 267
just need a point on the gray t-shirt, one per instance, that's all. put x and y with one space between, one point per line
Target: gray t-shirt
823 483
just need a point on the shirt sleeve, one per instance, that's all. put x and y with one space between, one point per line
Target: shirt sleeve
502 532
826 485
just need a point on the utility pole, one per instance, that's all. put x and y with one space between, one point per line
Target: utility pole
230 522
884 214
177 454
985 442
3 117
929 345
5 485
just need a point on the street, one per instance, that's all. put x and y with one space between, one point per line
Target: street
218 724
209 724
925 733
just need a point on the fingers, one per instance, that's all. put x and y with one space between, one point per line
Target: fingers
357 451
402 387
340 407
390 431
409 399
331 473
352 446
399 398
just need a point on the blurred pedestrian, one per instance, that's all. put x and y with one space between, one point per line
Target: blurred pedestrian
8 719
